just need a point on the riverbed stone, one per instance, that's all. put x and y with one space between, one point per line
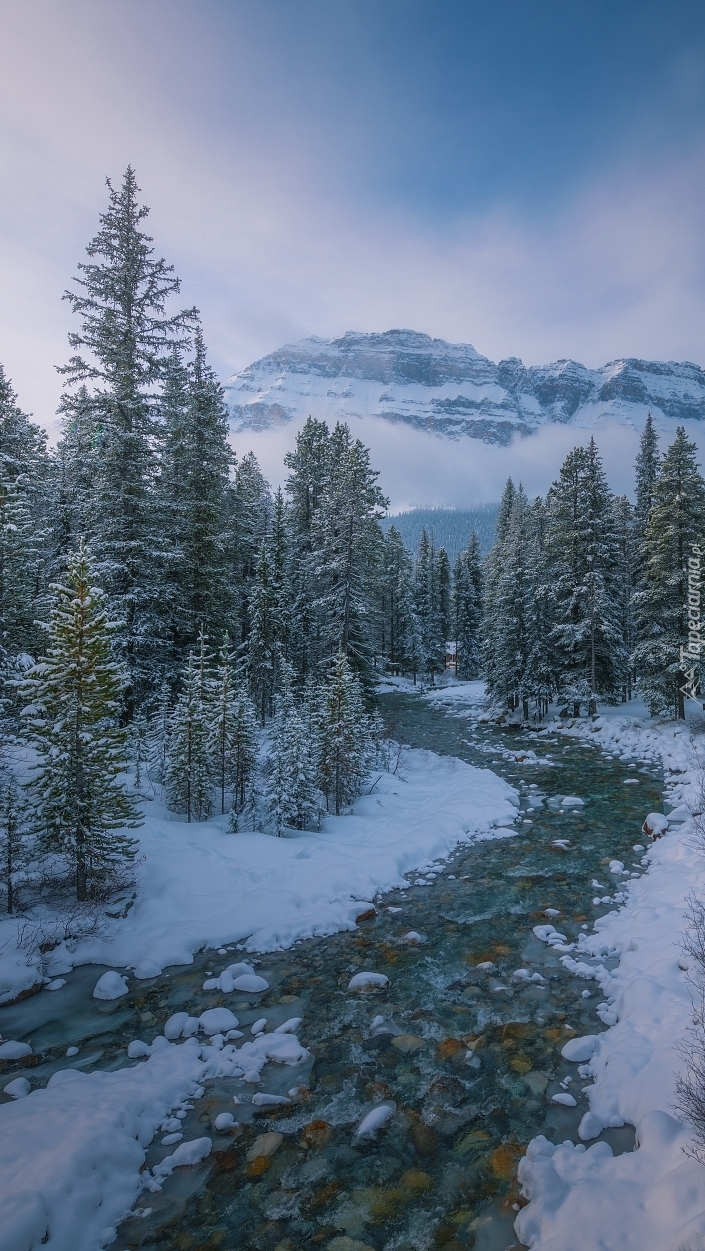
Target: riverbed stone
536 1081
407 1043
265 1145
348 1244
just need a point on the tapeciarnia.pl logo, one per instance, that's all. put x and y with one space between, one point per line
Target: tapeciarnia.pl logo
690 655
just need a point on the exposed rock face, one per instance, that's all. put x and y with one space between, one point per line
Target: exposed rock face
450 389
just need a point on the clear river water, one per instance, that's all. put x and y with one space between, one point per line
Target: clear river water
470 1057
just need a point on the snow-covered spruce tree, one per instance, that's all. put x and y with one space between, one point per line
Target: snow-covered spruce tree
676 522
646 472
512 639
443 583
491 575
233 733
20 572
466 610
80 805
538 683
347 548
290 792
583 554
304 487
281 570
14 852
263 650
624 526
23 450
249 519
158 729
427 609
397 606
75 472
188 774
125 338
344 743
193 499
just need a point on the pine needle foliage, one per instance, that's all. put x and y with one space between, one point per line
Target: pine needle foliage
80 803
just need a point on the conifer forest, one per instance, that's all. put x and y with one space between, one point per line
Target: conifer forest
162 609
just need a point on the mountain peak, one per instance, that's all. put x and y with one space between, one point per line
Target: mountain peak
451 389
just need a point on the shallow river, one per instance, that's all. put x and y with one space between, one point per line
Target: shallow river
469 1057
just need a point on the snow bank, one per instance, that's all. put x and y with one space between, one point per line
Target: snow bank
200 886
652 1199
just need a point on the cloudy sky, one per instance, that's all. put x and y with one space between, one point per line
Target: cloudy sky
524 175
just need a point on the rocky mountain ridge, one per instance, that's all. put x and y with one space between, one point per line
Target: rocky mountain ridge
452 390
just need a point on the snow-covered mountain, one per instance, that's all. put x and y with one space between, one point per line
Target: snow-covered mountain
451 390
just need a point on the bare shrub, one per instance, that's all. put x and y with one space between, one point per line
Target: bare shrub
690 1084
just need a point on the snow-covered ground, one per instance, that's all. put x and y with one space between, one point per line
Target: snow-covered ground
199 886
71 1153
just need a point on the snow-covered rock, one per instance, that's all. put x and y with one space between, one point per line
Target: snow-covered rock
110 986
449 388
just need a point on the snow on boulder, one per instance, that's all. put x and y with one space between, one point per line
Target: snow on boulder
250 983
18 1088
655 825
261 1100
225 1121
11 1050
175 1025
137 1049
361 980
217 1020
289 1027
563 1097
580 1049
572 801
186 1153
616 866
232 979
146 969
110 986
374 1121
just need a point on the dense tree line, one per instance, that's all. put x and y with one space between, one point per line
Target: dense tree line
587 595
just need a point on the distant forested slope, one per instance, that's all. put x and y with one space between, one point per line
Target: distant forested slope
451 527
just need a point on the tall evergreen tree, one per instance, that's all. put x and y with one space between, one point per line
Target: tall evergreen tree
263 648
397 623
661 605
624 526
20 572
126 336
23 449
647 471
304 486
188 775
467 610
538 683
512 638
80 804
193 497
290 793
233 733
347 553
14 852
583 550
250 516
427 608
443 582
344 742
491 575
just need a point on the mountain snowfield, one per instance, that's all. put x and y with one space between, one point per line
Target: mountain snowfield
450 389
